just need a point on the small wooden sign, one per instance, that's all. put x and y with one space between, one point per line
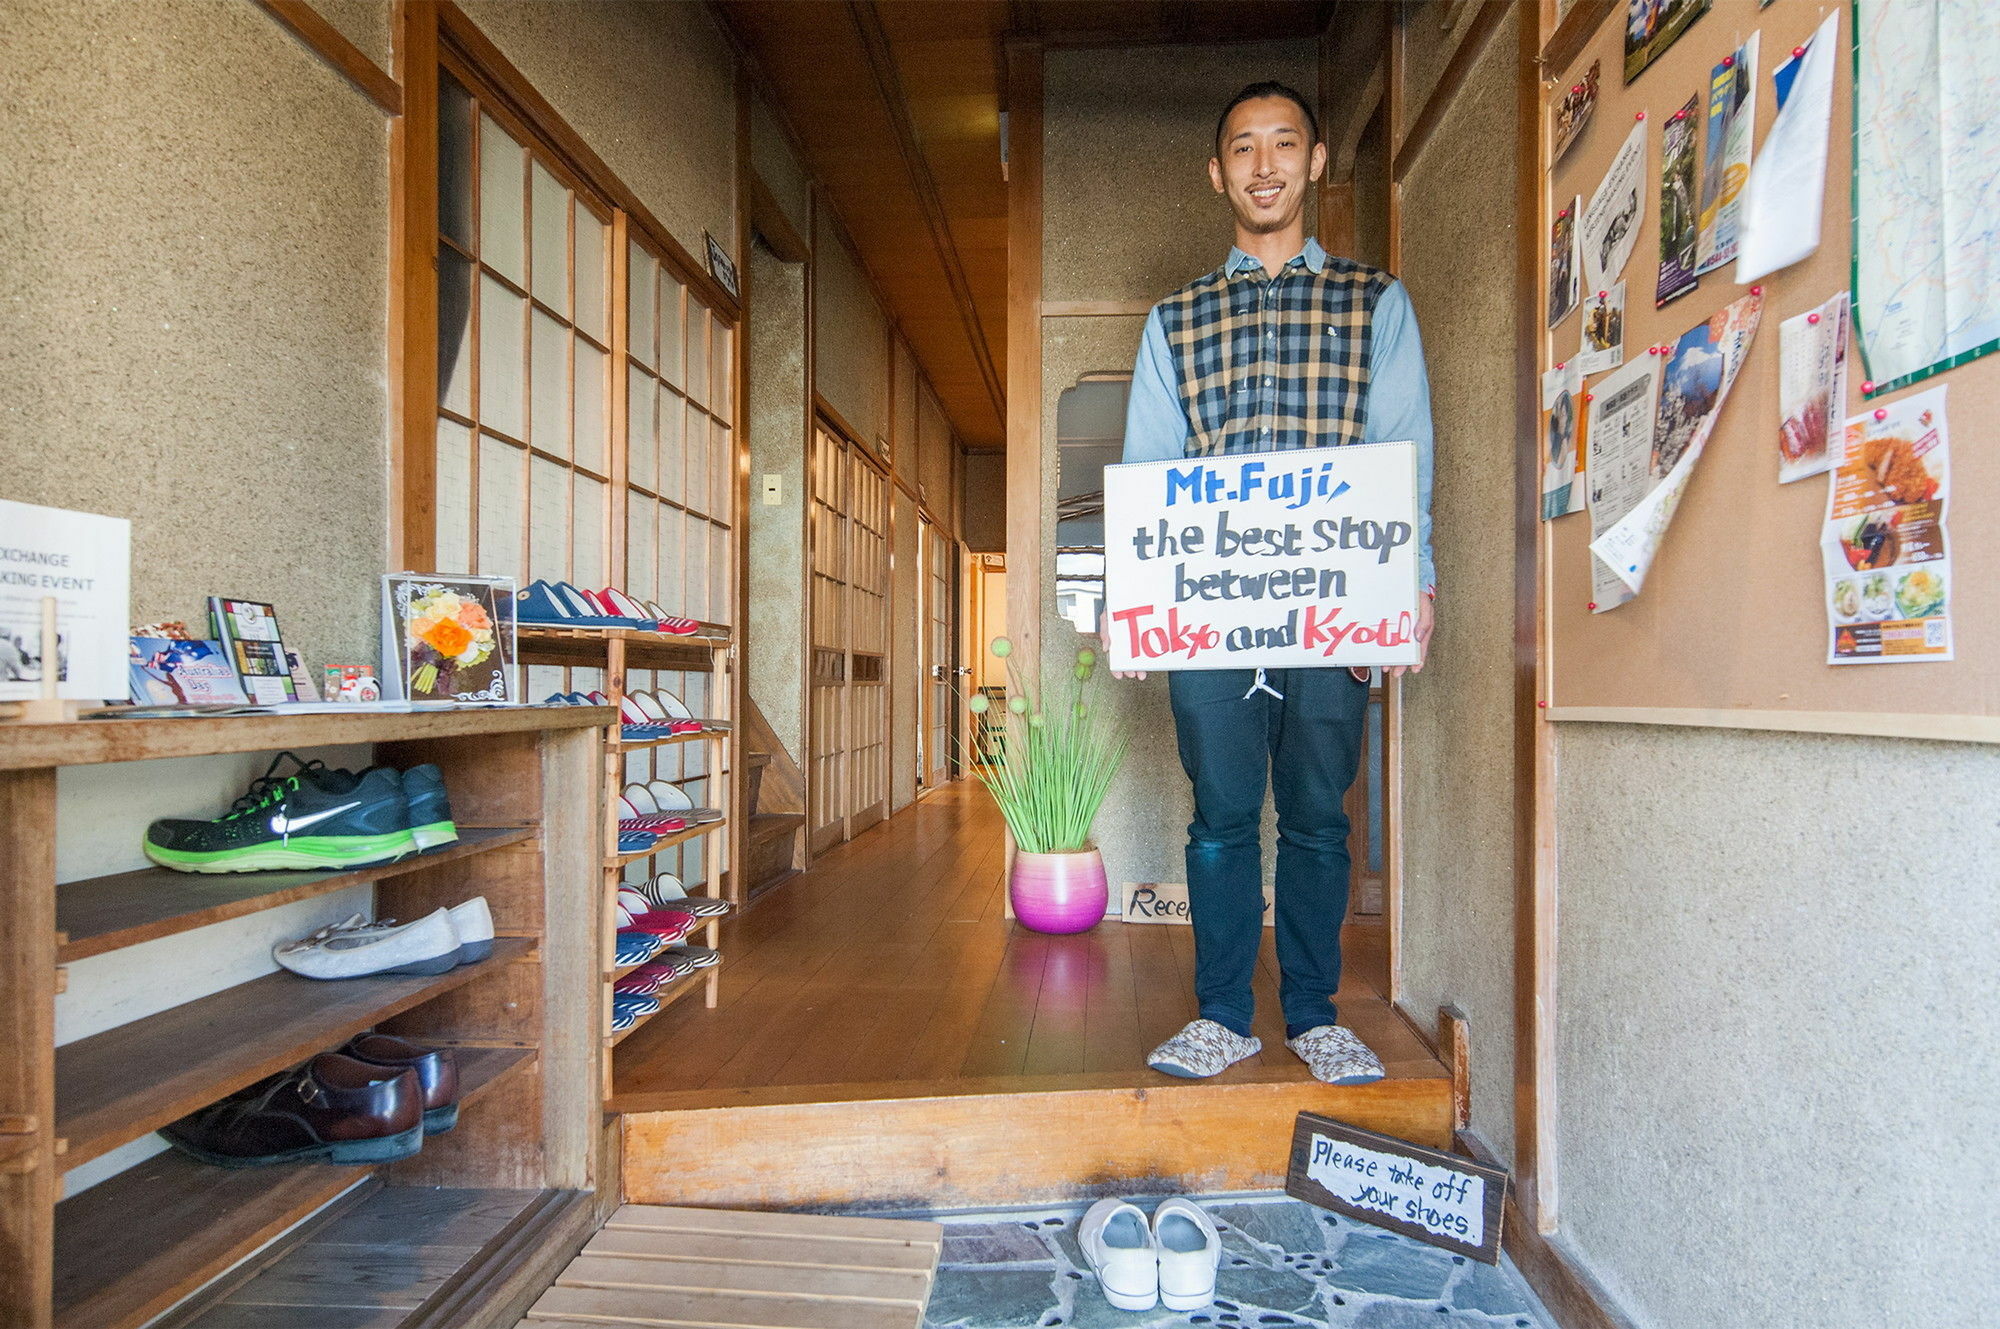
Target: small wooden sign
722 267
1432 1196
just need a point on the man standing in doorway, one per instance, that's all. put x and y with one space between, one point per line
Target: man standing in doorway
1282 347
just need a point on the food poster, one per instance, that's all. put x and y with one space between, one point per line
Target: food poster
1564 279
1574 110
1732 109
1562 422
1812 388
1888 565
1618 445
1680 229
1701 367
1602 339
1609 228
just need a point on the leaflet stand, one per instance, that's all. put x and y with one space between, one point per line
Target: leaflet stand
47 708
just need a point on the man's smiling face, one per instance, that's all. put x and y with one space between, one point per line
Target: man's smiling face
1266 163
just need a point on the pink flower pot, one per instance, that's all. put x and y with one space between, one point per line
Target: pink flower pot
1059 893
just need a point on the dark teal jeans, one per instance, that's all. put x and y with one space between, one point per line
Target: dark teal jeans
1305 745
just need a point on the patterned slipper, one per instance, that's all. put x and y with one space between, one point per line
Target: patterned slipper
636 947
1335 1056
695 957
1202 1049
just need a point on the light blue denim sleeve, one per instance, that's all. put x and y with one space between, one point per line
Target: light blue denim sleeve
1155 422
1399 403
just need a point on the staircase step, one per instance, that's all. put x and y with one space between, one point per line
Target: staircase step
769 825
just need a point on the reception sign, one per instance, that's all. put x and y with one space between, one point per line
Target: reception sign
1266 560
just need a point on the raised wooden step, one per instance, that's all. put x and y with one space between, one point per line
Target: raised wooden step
772 848
964 1142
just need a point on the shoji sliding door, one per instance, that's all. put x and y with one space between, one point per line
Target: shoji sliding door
848 749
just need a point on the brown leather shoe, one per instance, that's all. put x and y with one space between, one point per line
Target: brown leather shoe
334 1109
436 1068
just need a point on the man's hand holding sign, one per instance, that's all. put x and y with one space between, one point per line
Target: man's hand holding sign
1306 558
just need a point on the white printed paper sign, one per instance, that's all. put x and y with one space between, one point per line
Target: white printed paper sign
1267 560
85 562
1427 1194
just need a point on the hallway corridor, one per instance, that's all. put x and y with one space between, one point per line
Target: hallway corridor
889 970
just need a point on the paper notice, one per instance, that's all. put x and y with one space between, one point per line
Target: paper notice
1812 389
1888 566
1732 110
1680 231
1781 204
1564 281
1561 426
1603 336
1700 370
1619 449
1610 226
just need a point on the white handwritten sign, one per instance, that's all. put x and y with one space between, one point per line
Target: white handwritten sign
1167 902
1264 560
1427 1194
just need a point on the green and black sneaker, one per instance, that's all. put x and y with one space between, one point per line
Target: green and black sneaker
311 818
430 810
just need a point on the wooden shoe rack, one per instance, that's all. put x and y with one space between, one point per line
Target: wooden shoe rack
171 1232
618 652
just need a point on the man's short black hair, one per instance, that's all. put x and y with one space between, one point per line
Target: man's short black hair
1268 88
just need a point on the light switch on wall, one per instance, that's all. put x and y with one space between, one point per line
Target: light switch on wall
774 490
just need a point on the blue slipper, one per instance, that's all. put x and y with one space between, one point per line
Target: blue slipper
635 947
547 606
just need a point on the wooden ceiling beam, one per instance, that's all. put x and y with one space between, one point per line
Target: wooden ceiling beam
888 81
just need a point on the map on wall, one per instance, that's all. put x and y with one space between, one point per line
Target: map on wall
1926 186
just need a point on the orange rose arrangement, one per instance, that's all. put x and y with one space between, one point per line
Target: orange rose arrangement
456 629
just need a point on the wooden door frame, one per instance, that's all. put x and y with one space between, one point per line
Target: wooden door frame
824 420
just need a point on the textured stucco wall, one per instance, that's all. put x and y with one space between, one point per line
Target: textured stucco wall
192 335
850 340
936 450
651 88
1779 965
985 502
1432 31
903 415
905 664
193 329
771 157
777 369
369 24
1143 825
1128 213
1458 842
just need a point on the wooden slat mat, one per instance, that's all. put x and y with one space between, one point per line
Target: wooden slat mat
722 1269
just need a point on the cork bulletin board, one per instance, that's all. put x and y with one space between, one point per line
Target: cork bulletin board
1731 628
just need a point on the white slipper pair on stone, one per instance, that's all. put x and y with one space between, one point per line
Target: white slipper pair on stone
1169 1261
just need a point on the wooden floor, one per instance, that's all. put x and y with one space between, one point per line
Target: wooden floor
889 970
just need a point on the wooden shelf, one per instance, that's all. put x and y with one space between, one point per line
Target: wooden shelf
668 995
100 914
587 647
115 1086
130 1247
666 842
93 742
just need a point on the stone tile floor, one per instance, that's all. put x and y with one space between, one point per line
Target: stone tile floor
1283 1263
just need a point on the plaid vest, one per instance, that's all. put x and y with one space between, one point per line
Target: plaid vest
1274 362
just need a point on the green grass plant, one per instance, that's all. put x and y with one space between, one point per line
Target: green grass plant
1051 777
